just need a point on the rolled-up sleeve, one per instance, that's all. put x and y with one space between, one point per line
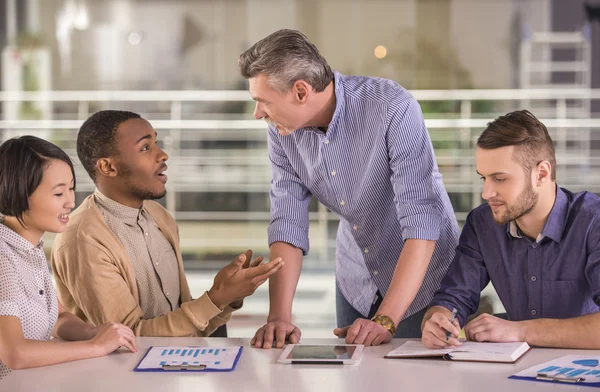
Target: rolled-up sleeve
466 278
412 163
289 200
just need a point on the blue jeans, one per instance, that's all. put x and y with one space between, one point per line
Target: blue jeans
346 314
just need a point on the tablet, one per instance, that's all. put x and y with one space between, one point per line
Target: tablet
332 354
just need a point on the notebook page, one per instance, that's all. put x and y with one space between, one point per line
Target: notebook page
490 351
417 349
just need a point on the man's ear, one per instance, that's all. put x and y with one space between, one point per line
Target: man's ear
301 89
544 172
106 167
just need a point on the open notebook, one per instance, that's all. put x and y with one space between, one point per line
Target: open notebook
469 351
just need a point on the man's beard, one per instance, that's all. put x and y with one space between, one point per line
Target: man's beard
139 193
280 128
146 194
525 202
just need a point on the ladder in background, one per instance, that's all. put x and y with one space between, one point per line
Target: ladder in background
540 69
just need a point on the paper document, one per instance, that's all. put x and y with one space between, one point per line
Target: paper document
569 369
212 358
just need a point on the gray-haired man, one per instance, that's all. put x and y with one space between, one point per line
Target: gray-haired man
360 146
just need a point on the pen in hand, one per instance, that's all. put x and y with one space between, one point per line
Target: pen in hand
452 318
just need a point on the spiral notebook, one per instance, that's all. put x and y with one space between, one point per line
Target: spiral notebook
190 358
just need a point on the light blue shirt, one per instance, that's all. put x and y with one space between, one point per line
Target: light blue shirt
375 168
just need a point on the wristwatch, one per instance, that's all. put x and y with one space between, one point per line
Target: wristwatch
386 322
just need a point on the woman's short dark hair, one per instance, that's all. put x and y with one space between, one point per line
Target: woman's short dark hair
22 164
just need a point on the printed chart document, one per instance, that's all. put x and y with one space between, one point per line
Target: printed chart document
190 358
570 369
468 351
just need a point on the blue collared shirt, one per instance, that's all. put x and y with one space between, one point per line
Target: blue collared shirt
375 168
555 276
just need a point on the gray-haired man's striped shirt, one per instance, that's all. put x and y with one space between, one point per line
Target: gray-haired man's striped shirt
375 168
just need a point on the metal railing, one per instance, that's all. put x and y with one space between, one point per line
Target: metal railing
225 153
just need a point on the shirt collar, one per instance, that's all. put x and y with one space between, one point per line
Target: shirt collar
340 101
555 224
15 240
339 107
128 215
515 232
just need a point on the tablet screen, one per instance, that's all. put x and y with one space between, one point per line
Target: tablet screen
307 351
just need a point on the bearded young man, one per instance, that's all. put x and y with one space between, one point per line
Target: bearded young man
119 259
537 243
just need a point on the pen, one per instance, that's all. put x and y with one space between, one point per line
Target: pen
559 378
452 318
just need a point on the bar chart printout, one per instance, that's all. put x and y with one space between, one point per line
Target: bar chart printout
577 369
214 358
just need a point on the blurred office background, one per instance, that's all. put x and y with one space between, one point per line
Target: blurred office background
175 62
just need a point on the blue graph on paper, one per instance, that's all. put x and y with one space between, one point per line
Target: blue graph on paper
571 366
575 371
212 357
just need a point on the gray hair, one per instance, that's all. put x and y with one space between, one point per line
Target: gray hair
284 57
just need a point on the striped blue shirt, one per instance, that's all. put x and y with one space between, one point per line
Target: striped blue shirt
375 168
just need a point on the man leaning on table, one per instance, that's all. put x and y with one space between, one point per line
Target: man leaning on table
537 243
119 259
360 146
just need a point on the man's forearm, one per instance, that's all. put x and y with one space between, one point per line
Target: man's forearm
408 278
282 285
70 327
579 332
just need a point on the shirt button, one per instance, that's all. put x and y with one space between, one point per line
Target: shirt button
375 273
355 227
333 173
533 312
366 250
326 141
146 233
167 293
533 278
342 203
156 263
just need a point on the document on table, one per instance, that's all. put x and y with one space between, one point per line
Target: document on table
190 358
569 369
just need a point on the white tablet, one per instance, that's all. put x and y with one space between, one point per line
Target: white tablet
333 354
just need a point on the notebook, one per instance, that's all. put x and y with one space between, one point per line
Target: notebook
469 351
190 358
